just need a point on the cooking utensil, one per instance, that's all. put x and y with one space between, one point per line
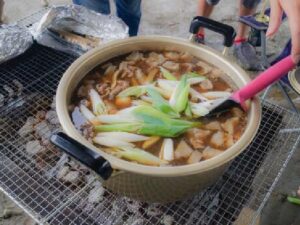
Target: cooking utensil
147 183
262 81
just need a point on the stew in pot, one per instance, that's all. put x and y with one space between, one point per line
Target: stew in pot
149 108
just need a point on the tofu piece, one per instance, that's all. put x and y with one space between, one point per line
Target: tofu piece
195 157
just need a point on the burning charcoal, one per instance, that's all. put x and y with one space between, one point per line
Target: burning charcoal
132 206
167 220
27 127
34 147
72 177
135 221
19 85
9 90
153 210
1 100
63 172
53 104
51 117
42 130
40 115
96 194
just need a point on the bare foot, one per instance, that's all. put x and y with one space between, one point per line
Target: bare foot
298 192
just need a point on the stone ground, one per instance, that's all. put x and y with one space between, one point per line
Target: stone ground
172 17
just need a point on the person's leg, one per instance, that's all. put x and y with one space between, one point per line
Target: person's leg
1 11
101 6
130 12
246 7
243 50
205 8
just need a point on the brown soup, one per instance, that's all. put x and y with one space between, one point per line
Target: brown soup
150 107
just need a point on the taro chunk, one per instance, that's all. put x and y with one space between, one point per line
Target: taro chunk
197 137
214 125
183 150
218 139
209 153
195 157
230 125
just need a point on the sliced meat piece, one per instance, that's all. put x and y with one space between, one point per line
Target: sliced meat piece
206 85
172 66
218 139
183 150
103 89
186 67
110 70
215 125
174 56
155 59
140 76
198 137
82 91
34 147
237 112
135 56
121 85
209 153
230 125
195 157
205 68
186 57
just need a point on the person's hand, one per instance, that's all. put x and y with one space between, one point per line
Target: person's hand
292 10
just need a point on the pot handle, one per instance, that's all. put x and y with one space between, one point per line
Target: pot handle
83 154
227 31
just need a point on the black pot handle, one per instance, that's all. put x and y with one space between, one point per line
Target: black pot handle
227 31
83 154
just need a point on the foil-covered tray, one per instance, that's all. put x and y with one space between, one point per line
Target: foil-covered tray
76 29
14 40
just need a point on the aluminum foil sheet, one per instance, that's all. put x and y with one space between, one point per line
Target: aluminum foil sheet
76 29
14 40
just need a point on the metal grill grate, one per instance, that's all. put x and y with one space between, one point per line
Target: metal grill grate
33 182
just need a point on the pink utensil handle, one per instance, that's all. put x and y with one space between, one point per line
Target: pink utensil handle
266 78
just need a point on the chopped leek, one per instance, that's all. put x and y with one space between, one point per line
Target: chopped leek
180 95
188 110
293 200
123 136
167 150
139 155
151 122
97 103
160 103
216 94
87 113
111 142
197 95
135 91
166 74
203 108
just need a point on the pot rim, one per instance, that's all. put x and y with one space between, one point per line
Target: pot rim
120 164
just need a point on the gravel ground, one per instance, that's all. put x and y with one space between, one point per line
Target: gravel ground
172 17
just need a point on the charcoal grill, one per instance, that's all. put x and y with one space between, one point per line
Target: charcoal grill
27 179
